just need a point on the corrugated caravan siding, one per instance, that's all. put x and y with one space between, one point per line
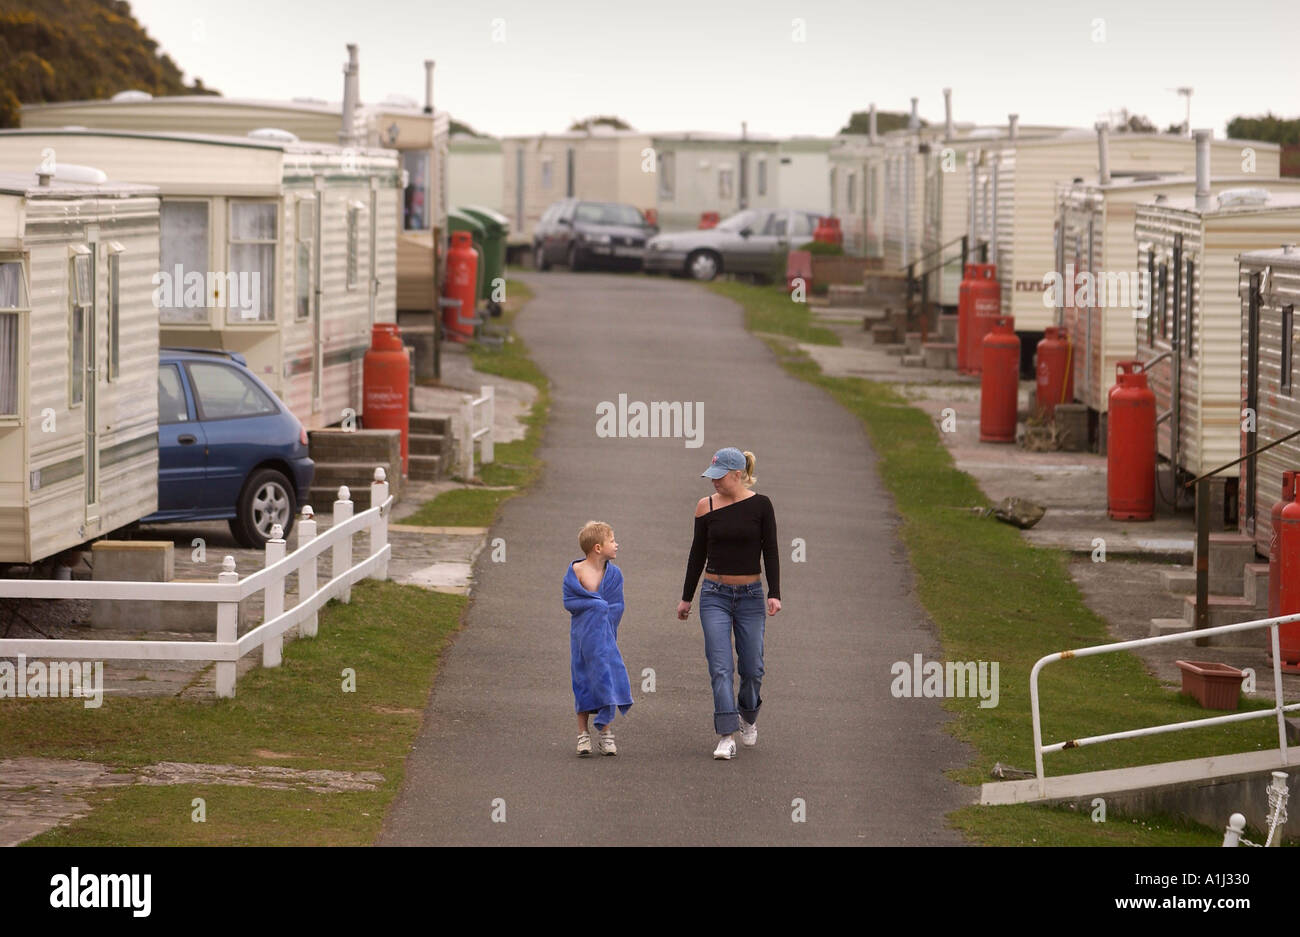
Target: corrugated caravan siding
1278 412
1002 224
345 312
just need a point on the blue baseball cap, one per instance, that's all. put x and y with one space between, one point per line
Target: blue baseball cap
724 461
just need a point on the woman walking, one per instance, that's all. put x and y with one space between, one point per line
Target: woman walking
733 527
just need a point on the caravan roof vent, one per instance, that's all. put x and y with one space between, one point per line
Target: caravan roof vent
274 134
69 172
401 100
1248 196
124 97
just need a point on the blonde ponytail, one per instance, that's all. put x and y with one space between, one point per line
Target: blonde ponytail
749 480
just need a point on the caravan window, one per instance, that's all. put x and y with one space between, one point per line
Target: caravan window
114 310
417 215
548 171
726 183
354 215
253 228
13 299
1288 327
762 177
183 252
667 170
306 238
1191 309
81 294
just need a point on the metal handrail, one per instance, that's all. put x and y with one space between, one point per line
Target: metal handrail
965 251
1279 708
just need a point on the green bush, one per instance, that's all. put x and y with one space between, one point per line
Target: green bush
821 248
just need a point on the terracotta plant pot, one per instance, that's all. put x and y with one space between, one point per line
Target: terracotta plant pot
1214 685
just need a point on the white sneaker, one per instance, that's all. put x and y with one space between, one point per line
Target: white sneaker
726 749
607 746
748 733
584 744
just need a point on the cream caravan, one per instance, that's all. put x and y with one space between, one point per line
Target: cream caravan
78 359
280 250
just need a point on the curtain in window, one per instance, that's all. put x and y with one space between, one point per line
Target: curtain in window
8 358
184 237
11 286
252 221
245 261
416 164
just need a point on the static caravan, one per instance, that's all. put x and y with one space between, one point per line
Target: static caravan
1269 285
601 164
802 167
854 171
1188 248
280 250
78 359
420 136
707 172
1025 179
476 172
1096 246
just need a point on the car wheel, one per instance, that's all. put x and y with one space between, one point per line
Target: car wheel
703 265
539 258
267 499
574 265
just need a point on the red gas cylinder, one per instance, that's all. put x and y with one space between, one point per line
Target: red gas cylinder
985 308
708 219
1131 446
1289 597
462 284
965 298
1275 545
386 377
828 231
1054 369
652 217
1000 382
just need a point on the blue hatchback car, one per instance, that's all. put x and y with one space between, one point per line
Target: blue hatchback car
228 449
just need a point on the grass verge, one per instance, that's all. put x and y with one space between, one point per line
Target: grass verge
996 598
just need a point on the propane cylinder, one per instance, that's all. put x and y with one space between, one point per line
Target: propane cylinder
1289 587
1000 382
462 284
828 230
986 307
1131 446
1275 545
965 298
1054 371
386 376
708 219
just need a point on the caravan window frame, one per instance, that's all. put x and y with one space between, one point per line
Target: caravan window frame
175 319
78 310
304 220
232 317
113 273
667 166
1287 371
20 313
352 265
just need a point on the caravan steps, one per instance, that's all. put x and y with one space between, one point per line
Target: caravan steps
1229 610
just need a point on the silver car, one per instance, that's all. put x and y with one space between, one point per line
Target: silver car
751 241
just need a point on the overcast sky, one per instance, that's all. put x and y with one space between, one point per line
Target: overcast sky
797 67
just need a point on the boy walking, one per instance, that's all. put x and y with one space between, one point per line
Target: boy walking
593 596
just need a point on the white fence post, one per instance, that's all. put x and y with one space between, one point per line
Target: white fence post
273 598
227 631
1236 826
488 455
467 457
342 557
379 526
307 571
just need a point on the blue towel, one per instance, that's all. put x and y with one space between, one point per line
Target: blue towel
599 677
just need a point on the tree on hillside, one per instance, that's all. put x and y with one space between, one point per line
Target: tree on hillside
456 127
1266 129
610 120
70 50
860 122
1136 123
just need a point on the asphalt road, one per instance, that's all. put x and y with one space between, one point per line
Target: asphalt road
498 736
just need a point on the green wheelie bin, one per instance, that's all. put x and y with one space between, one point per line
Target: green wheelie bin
496 227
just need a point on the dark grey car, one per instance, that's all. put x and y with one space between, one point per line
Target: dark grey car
582 234
750 241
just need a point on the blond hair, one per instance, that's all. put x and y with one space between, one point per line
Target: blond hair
748 479
592 533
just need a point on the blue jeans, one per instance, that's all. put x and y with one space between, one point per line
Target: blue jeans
741 610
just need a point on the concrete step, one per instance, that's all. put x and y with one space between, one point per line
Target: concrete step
898 349
913 361
431 424
913 342
872 317
846 295
1179 581
1164 626
948 327
883 334
1256 585
1229 554
355 475
430 444
1228 610
426 467
940 354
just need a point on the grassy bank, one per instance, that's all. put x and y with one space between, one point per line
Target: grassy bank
516 464
994 597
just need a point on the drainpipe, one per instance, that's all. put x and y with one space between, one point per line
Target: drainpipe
914 121
1203 168
1103 152
947 113
428 86
871 123
350 94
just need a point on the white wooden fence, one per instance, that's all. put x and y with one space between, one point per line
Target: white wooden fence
486 406
228 591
